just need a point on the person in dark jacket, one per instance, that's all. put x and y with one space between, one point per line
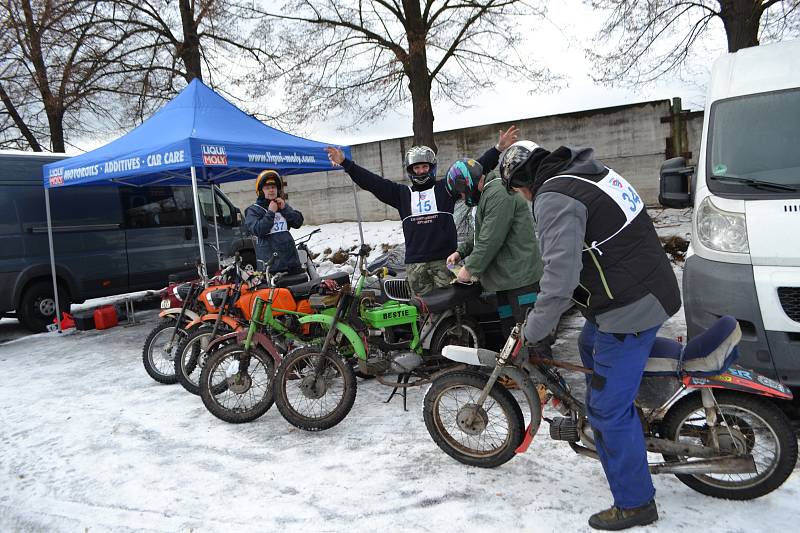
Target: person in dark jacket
601 251
504 254
269 219
425 208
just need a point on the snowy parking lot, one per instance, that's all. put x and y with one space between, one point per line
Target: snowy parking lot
90 443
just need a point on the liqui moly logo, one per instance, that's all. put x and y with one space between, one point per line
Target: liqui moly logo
214 155
56 176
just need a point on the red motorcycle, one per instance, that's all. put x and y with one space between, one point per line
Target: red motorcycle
710 420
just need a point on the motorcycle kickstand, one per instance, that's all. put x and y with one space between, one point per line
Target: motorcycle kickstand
401 378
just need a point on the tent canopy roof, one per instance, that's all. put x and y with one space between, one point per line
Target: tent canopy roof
197 128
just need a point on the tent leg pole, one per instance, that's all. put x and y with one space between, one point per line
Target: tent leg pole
52 256
216 227
358 214
199 224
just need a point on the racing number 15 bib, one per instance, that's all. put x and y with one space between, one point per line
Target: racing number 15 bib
423 203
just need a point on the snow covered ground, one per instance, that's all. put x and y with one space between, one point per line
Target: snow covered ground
88 442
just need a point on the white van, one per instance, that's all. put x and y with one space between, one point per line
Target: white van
744 258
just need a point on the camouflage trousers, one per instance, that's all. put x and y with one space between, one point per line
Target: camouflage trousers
424 277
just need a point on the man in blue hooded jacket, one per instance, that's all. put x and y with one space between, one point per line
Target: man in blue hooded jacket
270 219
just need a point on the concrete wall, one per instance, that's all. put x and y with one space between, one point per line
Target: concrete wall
632 139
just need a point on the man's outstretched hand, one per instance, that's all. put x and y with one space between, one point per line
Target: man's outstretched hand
507 138
335 155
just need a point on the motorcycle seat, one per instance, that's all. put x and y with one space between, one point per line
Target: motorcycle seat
444 298
710 353
304 290
290 279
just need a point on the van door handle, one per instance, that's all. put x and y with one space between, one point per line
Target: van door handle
187 233
205 232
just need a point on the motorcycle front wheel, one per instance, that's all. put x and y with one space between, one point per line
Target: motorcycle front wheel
159 358
232 394
192 355
314 391
746 424
485 436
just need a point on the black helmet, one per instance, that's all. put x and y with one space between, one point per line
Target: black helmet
512 164
417 155
463 176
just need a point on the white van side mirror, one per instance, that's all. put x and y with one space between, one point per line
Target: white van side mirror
675 183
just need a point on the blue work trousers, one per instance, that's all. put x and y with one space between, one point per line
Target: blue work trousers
618 361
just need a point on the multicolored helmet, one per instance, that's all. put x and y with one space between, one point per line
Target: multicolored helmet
417 155
463 177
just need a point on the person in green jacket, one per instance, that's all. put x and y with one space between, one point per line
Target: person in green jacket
504 255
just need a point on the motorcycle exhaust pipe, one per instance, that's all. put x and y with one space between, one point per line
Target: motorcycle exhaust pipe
723 465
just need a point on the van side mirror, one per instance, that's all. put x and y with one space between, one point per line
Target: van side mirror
239 217
674 183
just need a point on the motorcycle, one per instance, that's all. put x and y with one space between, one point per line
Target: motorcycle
231 308
184 305
715 430
235 381
315 386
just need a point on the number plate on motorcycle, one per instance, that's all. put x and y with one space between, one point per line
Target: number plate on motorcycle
165 304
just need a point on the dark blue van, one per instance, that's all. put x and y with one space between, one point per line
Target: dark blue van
107 239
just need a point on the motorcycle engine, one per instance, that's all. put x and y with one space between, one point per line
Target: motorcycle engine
404 362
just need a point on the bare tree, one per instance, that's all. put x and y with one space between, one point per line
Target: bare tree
655 37
95 67
225 43
58 61
363 58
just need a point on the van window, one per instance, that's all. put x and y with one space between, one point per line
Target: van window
225 216
755 137
153 207
9 218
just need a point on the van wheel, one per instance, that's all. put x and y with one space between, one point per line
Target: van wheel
37 308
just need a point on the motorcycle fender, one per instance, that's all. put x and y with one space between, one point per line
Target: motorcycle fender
741 380
470 356
237 335
528 388
349 333
175 313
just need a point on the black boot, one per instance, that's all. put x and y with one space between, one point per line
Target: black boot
614 519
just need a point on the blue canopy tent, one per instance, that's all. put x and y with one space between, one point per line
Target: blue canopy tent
198 135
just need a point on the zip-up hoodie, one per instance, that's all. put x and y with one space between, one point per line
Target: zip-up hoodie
272 232
599 248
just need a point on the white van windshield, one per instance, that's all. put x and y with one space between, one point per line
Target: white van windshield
755 145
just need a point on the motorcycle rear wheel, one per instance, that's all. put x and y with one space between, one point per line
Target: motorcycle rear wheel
231 395
756 426
497 428
310 402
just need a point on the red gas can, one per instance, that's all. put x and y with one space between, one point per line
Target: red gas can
105 317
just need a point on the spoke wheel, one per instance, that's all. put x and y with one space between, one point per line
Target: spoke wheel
746 425
158 356
484 436
232 394
314 391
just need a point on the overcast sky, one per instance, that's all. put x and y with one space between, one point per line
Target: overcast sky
560 44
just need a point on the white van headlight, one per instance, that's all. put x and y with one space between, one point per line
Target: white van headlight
721 230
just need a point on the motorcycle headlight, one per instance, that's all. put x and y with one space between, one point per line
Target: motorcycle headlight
721 230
